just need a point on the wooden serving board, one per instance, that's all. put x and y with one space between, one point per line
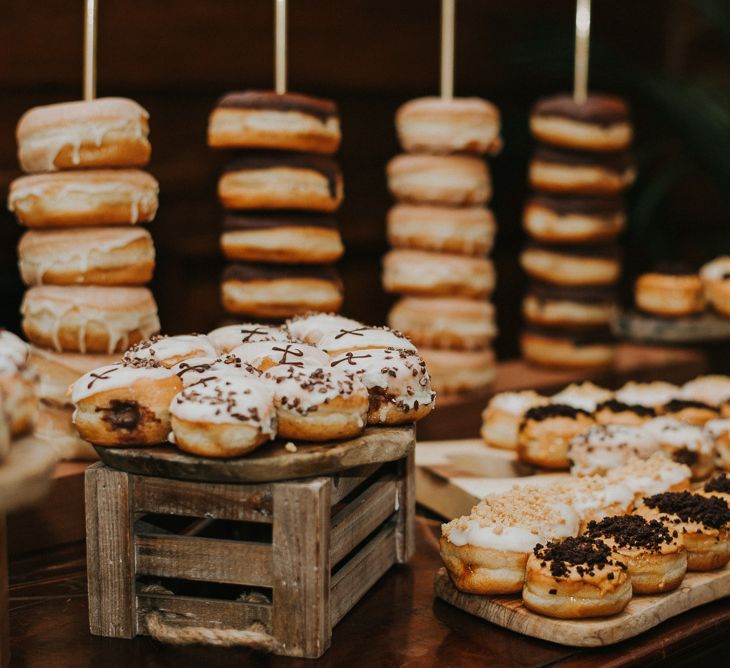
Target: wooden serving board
270 462
641 614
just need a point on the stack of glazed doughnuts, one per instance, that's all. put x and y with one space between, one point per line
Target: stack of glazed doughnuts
320 377
18 391
279 191
582 547
441 233
573 217
85 257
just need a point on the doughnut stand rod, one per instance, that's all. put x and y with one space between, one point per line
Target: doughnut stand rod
280 47
448 12
582 49
90 29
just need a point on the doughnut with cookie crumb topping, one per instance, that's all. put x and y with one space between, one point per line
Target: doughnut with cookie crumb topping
618 412
651 476
690 411
719 431
684 443
604 447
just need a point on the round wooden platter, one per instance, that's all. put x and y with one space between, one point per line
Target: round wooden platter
25 473
704 328
271 462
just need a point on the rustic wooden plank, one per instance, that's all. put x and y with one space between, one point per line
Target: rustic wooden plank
301 545
205 559
109 554
351 582
4 617
243 503
405 539
362 516
346 482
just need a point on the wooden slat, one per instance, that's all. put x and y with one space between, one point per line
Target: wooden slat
405 540
206 559
351 582
243 503
346 482
362 516
4 625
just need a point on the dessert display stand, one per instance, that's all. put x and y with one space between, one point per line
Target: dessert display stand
704 328
268 551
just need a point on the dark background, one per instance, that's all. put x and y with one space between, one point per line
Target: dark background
668 57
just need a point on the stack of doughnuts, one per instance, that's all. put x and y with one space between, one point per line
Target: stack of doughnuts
279 191
321 377
18 391
441 233
573 217
85 258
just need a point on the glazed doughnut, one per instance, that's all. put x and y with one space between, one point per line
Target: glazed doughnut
430 274
281 181
17 385
502 417
565 220
562 171
226 417
672 295
653 395
572 265
123 405
712 389
546 432
600 123
105 132
89 255
12 346
458 125
167 351
692 412
569 306
315 404
702 521
280 291
583 395
206 369
266 354
657 474
288 237
439 179
445 322
84 197
397 381
719 432
225 339
265 119
601 448
684 443
457 371
88 319
311 327
576 348
719 486
576 578
467 230
591 497
654 554
715 277
617 412
337 343
54 426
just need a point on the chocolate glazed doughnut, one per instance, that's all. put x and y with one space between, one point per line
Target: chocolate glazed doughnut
569 306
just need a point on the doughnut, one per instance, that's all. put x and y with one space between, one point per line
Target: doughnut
670 295
569 306
653 553
458 125
167 351
5 436
486 551
398 384
12 346
645 477
601 448
439 179
578 220
592 497
502 417
88 319
455 323
84 197
124 405
206 369
457 371
225 339
337 343
280 291
600 123
105 132
288 237
702 521
17 386
88 255
563 171
545 434
281 181
715 277
267 120
690 411
266 354
226 417
466 230
576 578
572 265
583 395
568 348
652 395
316 404
311 327
719 486
712 389
617 412
719 432
429 274
684 443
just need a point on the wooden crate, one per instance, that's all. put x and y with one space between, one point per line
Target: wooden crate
299 553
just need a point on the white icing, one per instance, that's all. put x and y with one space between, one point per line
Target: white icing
597 494
604 447
717 428
516 403
312 327
712 390
497 537
716 270
14 347
271 353
357 338
647 394
585 396
229 337
112 377
676 434
168 350
651 476
199 369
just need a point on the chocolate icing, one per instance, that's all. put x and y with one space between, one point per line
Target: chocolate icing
259 220
572 204
540 413
251 271
676 405
588 250
601 109
577 336
319 108
615 406
617 162
584 294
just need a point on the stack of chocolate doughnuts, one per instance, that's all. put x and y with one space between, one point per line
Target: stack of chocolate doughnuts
441 233
279 191
573 217
84 258
18 391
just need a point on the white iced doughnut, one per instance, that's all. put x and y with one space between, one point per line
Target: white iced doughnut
265 354
225 339
336 343
604 447
311 327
